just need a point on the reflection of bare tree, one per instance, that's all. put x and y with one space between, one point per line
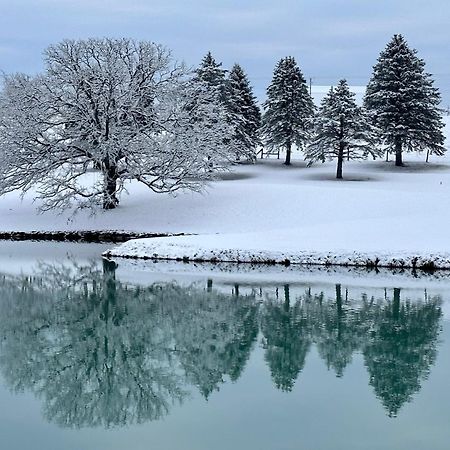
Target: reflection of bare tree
99 352
96 354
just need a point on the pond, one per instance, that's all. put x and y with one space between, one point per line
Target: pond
98 354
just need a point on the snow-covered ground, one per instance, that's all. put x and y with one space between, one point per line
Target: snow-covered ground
270 211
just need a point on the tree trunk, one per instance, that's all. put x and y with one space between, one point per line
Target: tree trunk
396 304
340 161
339 310
387 155
286 297
428 155
339 299
398 152
110 200
288 154
341 150
110 296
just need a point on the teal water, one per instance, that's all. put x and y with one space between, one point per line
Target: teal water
94 357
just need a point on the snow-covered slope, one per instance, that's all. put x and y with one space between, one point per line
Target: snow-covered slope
269 210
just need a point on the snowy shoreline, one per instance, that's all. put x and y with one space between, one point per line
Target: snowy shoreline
149 246
168 249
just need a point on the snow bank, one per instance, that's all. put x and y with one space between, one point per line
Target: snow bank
250 248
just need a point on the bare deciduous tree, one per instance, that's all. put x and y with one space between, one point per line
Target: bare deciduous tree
118 105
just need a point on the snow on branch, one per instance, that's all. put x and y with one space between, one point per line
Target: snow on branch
116 105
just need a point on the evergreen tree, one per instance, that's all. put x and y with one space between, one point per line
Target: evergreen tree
342 130
213 75
244 111
289 109
405 102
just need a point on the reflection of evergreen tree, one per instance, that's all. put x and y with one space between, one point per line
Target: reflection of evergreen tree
239 349
339 331
398 340
286 340
214 335
402 349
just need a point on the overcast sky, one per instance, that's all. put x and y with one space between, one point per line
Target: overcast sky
329 39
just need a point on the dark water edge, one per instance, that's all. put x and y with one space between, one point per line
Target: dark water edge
89 236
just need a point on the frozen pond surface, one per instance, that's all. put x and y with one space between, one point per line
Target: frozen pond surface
112 355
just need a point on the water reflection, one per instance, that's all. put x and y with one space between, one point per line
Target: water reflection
287 338
100 352
401 348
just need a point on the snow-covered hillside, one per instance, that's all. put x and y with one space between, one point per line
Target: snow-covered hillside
270 210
